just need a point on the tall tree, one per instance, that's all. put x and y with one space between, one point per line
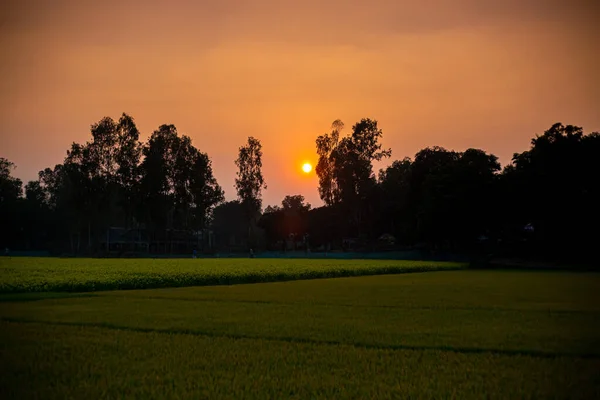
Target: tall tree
394 184
206 192
557 190
177 183
249 182
353 172
11 190
326 144
345 166
128 155
158 183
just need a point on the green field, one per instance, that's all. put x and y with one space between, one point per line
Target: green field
457 334
20 274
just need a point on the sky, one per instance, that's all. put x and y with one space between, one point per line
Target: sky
453 73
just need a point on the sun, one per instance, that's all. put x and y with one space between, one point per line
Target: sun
306 168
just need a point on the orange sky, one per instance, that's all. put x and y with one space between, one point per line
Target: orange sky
455 73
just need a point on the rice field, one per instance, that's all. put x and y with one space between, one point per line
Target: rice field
20 274
445 334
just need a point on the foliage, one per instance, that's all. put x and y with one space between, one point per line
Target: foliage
288 221
249 182
177 182
554 187
542 205
114 180
326 144
54 274
345 165
229 222
442 196
11 189
345 170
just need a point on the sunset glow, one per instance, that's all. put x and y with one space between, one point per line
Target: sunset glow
307 168
457 74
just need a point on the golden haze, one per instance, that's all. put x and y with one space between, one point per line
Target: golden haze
459 74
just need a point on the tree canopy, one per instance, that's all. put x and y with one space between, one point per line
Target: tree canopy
162 194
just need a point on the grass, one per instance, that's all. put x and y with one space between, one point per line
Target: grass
74 362
460 334
18 275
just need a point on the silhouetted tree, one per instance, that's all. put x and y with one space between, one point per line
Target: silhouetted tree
326 144
544 204
11 189
249 181
157 185
206 192
353 171
229 225
553 187
285 222
177 183
104 183
295 203
443 198
394 216
295 216
273 223
128 159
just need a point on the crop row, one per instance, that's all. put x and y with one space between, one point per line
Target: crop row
19 275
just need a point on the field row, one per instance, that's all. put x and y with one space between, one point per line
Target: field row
85 362
447 334
462 310
19 275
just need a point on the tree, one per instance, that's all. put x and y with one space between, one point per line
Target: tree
228 224
11 190
557 190
394 216
326 144
35 193
157 184
249 182
345 166
128 158
295 203
295 215
177 184
475 185
36 220
272 221
97 181
289 220
206 192
353 172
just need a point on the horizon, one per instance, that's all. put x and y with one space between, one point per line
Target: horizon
458 75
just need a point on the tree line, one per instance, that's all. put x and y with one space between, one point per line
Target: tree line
163 193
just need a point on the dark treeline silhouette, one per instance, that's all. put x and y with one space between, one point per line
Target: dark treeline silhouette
117 196
114 193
